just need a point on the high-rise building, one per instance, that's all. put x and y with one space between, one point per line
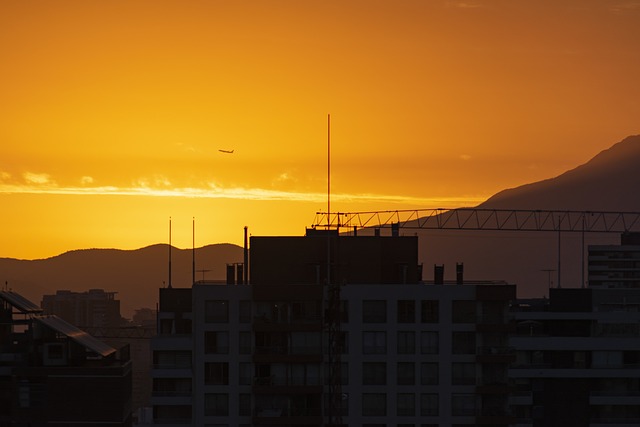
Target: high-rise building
92 309
333 330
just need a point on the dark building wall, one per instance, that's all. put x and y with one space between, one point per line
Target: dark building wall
570 300
354 260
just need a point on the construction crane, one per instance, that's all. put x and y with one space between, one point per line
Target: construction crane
484 219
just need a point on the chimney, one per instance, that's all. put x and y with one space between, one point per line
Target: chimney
246 256
438 274
459 273
239 274
395 229
231 274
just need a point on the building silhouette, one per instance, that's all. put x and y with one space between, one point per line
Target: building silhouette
52 373
578 353
333 330
91 309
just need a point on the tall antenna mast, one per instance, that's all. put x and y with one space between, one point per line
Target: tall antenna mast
169 252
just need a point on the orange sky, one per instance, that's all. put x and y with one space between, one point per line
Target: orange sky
112 112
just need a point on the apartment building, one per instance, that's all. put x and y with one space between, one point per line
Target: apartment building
54 374
391 350
94 308
578 353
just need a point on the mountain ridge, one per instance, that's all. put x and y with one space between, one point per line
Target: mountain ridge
606 182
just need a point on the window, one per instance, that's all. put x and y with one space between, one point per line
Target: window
342 405
216 311
429 342
342 343
244 314
305 342
406 373
463 404
172 359
216 404
463 311
406 342
463 343
216 373
429 374
406 311
406 404
374 342
374 373
344 373
244 373
430 312
344 311
463 373
244 342
304 374
374 404
216 342
374 311
244 405
429 404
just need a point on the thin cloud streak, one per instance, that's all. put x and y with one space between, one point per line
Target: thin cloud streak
239 193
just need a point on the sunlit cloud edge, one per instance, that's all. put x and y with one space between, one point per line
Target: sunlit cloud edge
238 193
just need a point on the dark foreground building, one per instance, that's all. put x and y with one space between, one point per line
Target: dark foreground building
377 346
54 374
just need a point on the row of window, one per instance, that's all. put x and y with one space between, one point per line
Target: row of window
373 404
373 373
373 311
373 342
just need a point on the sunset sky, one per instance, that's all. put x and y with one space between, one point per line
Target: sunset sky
112 113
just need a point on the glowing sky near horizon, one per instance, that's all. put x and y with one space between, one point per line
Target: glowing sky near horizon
112 113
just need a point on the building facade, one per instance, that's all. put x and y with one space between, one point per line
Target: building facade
578 353
377 346
54 374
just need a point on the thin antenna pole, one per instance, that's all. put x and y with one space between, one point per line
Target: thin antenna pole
328 171
169 252
193 251
559 248
328 199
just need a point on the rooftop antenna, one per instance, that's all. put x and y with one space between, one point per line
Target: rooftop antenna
169 253
328 171
328 199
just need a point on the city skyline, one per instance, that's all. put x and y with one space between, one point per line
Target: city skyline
116 116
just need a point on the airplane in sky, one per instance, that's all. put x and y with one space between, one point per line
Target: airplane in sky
226 151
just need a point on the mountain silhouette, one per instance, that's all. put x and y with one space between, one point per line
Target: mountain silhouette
136 275
607 182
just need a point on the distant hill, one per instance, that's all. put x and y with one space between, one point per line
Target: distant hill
608 182
135 274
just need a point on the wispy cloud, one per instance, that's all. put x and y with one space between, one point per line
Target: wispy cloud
86 180
37 178
215 191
